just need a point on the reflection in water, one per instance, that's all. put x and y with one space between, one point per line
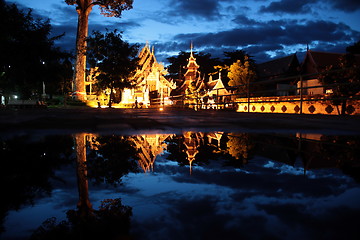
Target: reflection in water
84 205
110 221
241 185
148 148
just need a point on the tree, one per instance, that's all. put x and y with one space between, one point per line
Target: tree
109 8
241 74
178 63
354 49
231 57
114 61
344 80
27 53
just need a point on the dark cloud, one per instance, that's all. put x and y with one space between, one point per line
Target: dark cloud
243 20
201 218
345 5
275 35
288 6
309 6
206 9
336 223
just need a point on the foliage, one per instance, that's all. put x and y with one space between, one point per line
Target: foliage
241 74
345 79
109 8
177 67
28 56
112 160
28 166
231 57
354 49
239 146
114 61
110 221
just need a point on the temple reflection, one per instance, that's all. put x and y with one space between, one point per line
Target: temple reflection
312 151
220 161
148 148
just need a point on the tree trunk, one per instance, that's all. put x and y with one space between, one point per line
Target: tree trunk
343 107
84 205
110 97
82 34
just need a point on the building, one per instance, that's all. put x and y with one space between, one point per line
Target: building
195 92
192 82
151 85
283 70
314 64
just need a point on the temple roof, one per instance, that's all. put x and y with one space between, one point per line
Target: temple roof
278 67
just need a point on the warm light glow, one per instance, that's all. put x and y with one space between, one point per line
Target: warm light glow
161 109
149 77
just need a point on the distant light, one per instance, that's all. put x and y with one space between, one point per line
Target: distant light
161 109
43 62
15 96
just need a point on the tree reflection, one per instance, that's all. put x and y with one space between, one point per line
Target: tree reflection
239 146
27 166
336 152
110 158
112 219
105 160
315 151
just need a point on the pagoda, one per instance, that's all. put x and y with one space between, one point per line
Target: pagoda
192 81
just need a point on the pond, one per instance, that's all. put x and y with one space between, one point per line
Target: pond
189 185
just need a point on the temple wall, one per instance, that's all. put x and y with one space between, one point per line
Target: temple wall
290 104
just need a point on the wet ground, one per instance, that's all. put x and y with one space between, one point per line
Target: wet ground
127 120
82 173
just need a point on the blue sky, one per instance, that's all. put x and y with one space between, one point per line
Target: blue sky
264 29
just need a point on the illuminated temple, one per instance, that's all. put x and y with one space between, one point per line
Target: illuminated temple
152 88
151 85
197 91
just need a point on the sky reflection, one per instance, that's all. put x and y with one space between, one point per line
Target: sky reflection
217 197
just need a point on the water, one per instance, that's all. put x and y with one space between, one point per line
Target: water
193 185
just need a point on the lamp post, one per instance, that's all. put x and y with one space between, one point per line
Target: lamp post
43 95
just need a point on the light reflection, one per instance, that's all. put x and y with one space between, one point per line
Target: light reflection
235 177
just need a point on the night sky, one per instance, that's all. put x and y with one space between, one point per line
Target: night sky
264 29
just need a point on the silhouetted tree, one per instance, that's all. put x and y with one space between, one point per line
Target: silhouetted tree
27 54
177 67
113 159
26 174
345 79
354 49
114 61
109 8
110 221
231 57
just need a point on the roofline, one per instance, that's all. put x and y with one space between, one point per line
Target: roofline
276 59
